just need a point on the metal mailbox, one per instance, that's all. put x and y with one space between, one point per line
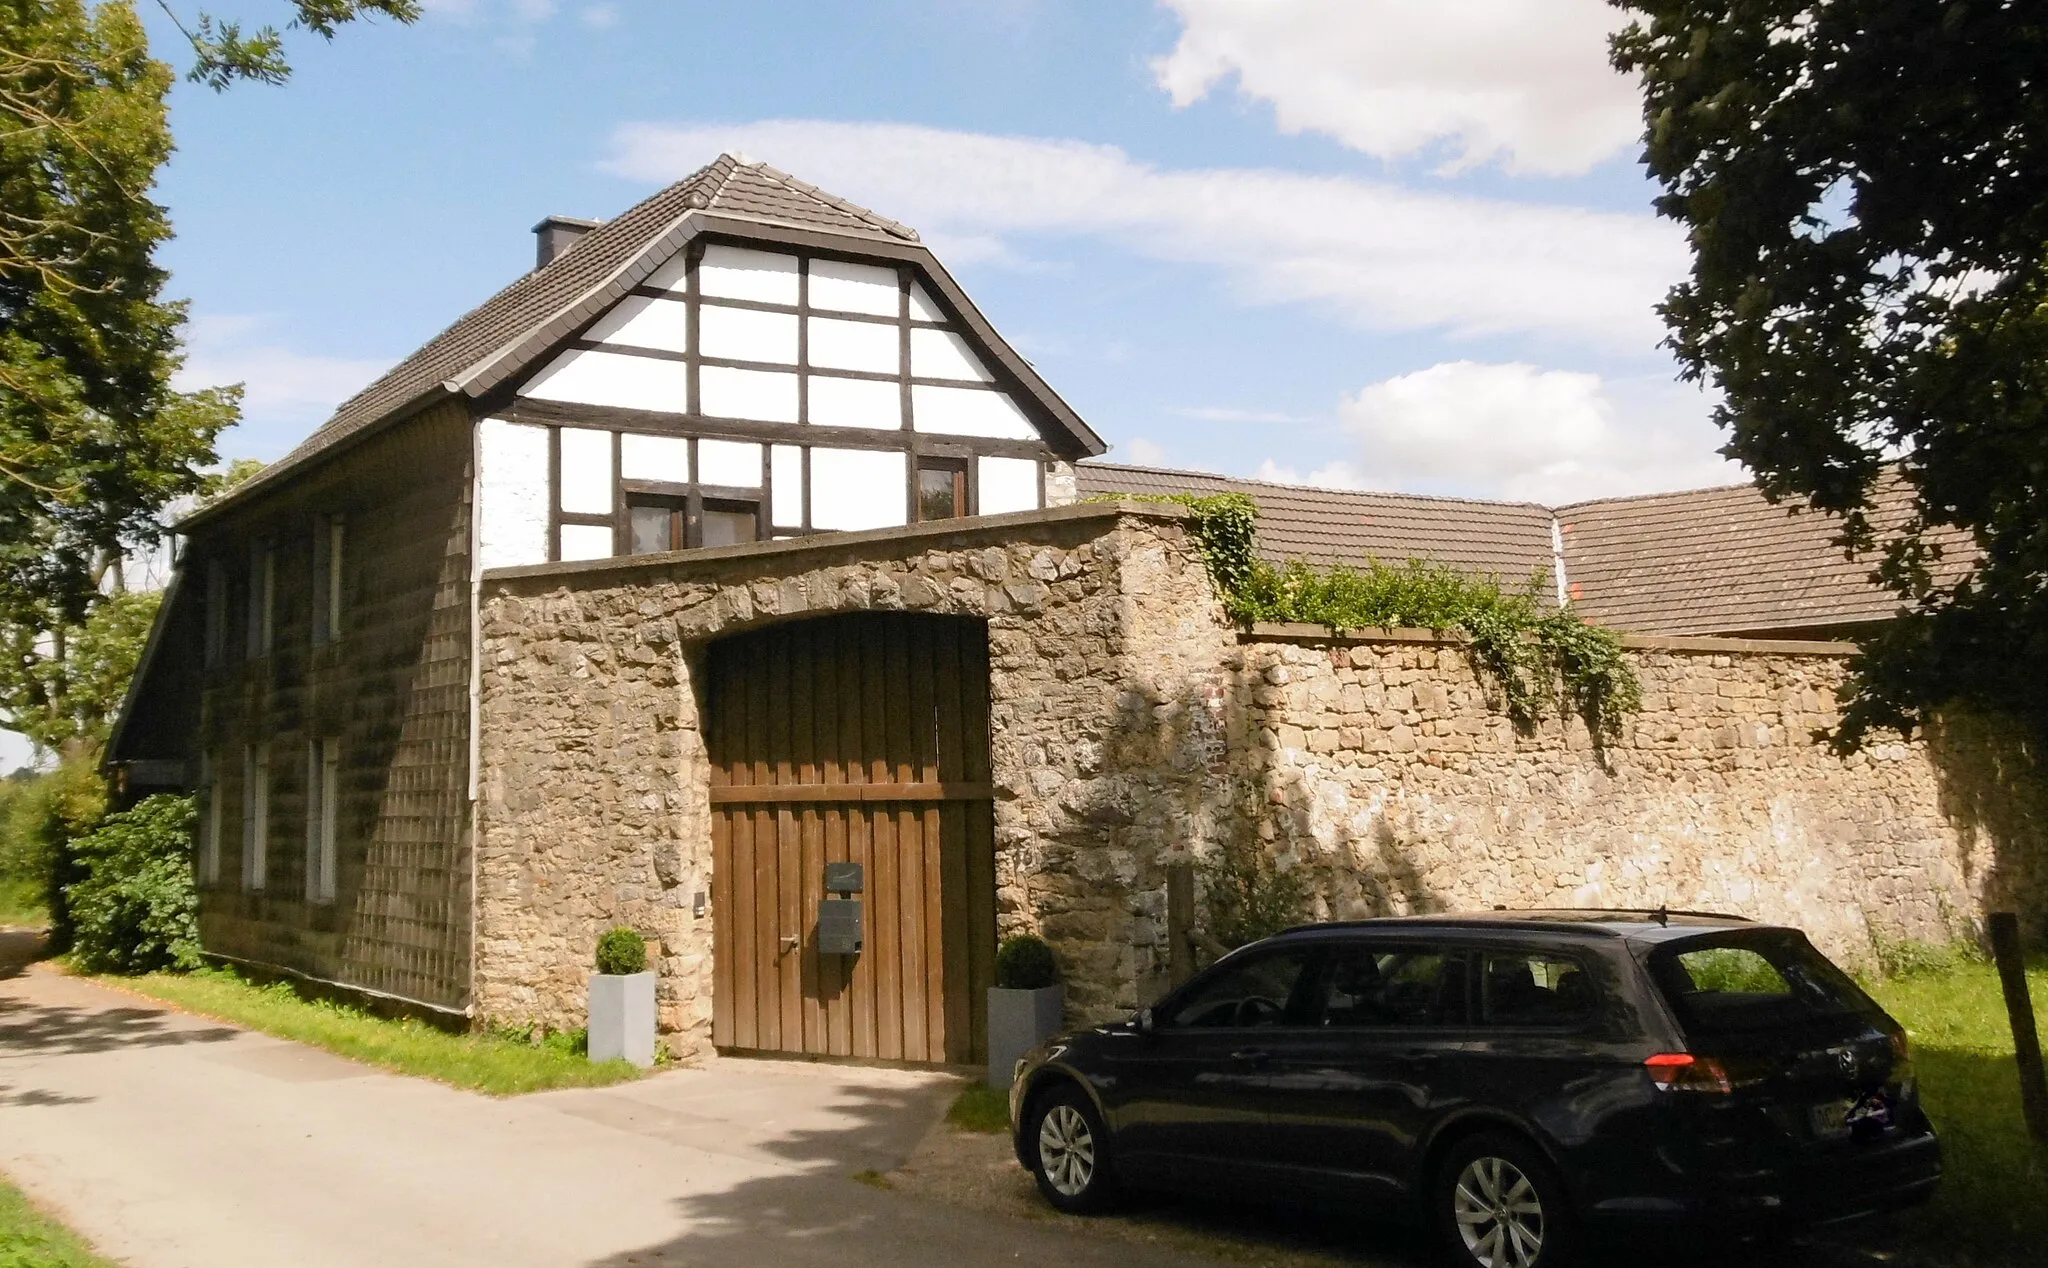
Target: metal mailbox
843 878
839 926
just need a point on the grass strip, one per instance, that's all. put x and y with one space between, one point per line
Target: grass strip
496 1064
31 1239
981 1108
1993 1198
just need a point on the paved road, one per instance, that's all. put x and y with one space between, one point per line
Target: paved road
174 1141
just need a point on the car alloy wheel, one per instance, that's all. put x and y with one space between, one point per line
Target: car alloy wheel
1066 1150
1499 1214
1070 1151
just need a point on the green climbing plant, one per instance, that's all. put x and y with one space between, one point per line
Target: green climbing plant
1539 661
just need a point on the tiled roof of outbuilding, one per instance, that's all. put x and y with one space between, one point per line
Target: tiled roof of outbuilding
1332 526
1705 561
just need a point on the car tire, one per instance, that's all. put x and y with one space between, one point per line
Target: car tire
1498 1203
1069 1151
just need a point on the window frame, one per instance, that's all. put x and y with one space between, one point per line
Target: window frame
1476 991
962 487
255 817
1463 957
323 813
209 819
1311 978
261 624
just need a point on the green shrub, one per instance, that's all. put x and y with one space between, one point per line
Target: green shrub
136 909
40 818
621 952
1025 963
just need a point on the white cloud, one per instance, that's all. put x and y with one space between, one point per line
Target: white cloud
1518 432
1388 258
15 752
1141 451
600 16
1524 82
1224 414
1337 474
283 388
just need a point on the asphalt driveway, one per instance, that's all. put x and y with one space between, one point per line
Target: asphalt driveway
173 1141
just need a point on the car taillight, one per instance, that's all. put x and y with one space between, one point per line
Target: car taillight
1685 1072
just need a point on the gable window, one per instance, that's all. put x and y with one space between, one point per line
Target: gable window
209 827
941 488
663 521
728 523
216 613
323 795
255 815
262 592
656 523
329 560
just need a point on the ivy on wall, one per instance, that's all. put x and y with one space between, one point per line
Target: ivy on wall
1539 661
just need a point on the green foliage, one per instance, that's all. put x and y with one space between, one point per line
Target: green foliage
39 819
1904 957
1249 895
62 684
980 1108
621 952
136 908
1864 185
1026 963
494 1063
31 1239
224 55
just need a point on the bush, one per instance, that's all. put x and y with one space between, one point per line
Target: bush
39 820
1025 963
621 952
1250 896
136 909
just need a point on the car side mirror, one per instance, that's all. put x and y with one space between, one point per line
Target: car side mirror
1144 1023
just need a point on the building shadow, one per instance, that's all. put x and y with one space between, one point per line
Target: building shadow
1991 785
20 948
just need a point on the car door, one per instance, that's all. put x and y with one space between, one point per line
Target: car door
1187 1099
1355 1093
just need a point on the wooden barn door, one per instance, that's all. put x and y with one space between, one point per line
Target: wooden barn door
864 739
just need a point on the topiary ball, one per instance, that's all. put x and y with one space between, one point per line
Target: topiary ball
1025 963
621 952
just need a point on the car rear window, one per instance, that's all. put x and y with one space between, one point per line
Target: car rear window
1749 981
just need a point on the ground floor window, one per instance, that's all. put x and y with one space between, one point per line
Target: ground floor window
323 780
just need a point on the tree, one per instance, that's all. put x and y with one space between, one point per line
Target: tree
1865 188
94 442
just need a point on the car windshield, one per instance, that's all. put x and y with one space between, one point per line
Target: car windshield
1752 980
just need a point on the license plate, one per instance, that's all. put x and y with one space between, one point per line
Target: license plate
1830 1119
1833 1120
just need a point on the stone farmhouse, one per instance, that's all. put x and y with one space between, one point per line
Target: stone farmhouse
732 540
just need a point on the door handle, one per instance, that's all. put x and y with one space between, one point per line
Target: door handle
1250 1056
1422 1056
790 942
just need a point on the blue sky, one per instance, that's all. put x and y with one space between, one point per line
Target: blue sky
1358 242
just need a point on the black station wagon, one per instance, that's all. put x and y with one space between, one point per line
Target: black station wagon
1529 1082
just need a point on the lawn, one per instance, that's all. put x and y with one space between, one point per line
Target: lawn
1993 1200
496 1064
31 1239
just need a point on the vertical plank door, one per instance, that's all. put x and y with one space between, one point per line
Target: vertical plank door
860 738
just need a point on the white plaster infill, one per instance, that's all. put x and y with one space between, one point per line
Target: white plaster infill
970 531
1295 632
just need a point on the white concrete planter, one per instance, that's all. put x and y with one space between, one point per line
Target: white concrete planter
622 1017
1019 1021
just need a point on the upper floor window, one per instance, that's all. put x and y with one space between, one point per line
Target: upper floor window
216 613
262 600
941 488
329 563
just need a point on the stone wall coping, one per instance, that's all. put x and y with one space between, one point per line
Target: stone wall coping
979 530
1295 632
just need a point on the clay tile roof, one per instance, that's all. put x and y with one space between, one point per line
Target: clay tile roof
1342 526
1725 560
729 186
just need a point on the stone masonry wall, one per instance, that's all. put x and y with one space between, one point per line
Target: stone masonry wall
1383 766
593 804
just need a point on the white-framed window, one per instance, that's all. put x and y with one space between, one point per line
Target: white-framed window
255 815
329 560
323 797
262 599
209 822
